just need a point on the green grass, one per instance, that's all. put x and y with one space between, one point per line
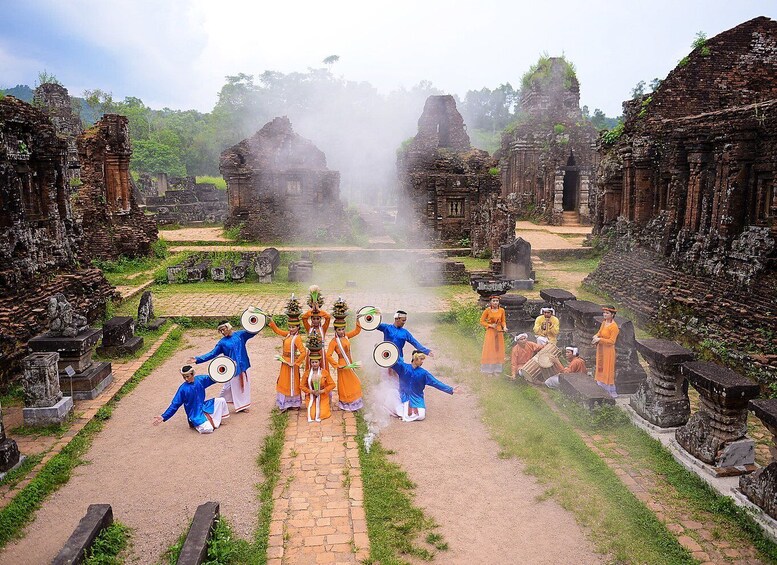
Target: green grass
13 396
128 271
220 183
473 263
22 508
109 545
394 524
12 477
57 430
520 421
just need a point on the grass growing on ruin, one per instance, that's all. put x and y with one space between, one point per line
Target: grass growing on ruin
220 183
56 473
109 545
520 421
394 524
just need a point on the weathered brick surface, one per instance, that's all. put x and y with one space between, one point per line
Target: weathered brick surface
181 200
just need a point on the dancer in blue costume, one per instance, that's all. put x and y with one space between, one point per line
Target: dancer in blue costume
233 345
412 381
398 335
203 415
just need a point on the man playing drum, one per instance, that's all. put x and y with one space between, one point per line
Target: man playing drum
203 415
576 365
523 350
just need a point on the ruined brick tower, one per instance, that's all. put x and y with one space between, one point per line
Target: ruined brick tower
448 189
688 195
547 156
279 187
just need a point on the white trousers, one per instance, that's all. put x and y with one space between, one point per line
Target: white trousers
238 391
403 411
220 411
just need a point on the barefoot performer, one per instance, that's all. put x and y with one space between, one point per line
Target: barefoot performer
233 345
349 388
412 381
203 415
287 387
318 384
493 356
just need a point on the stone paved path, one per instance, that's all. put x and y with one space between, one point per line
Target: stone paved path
85 409
318 514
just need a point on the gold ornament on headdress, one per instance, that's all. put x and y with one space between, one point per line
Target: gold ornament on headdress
339 312
315 345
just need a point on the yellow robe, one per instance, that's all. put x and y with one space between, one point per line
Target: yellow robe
494 343
288 384
605 353
320 411
349 388
547 327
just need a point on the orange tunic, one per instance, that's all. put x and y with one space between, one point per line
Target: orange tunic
577 365
349 388
494 343
288 384
318 410
520 355
325 319
605 353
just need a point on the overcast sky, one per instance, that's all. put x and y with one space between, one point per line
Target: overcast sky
176 53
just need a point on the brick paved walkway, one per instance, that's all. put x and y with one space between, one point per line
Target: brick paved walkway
318 514
84 409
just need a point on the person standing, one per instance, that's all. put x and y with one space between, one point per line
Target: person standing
349 388
203 415
604 340
233 345
493 319
287 387
547 325
318 383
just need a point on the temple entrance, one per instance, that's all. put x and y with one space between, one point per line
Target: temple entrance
571 183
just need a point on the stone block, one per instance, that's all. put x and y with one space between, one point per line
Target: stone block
67 347
129 347
49 415
583 389
41 380
724 386
118 330
516 260
662 411
663 354
89 383
195 547
145 309
97 518
760 488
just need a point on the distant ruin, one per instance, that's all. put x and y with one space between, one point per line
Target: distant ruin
39 239
548 155
449 190
687 195
279 187
181 200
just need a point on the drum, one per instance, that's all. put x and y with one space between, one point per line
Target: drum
253 320
546 355
540 367
368 318
222 369
385 354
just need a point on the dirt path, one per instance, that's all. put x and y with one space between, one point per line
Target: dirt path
487 507
155 477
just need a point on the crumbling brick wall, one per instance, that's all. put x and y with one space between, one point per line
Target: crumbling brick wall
39 240
182 200
105 203
279 187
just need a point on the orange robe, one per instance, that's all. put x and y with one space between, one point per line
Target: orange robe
577 365
326 318
320 410
288 382
493 355
520 355
349 388
605 353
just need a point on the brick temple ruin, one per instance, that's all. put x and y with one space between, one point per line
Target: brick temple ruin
688 196
548 157
103 198
39 238
181 200
279 187
450 191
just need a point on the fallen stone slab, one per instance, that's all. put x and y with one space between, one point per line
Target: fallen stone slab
98 517
195 548
583 389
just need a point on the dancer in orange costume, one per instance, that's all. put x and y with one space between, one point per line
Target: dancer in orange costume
604 340
349 388
493 319
317 382
294 353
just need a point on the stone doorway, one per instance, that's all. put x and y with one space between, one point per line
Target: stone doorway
571 184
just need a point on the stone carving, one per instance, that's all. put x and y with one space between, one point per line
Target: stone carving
63 320
716 433
761 486
662 399
146 309
9 451
516 263
43 401
119 337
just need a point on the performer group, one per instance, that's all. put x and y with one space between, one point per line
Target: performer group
306 377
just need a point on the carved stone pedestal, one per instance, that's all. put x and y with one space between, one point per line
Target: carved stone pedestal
43 400
662 399
583 314
716 433
761 487
119 337
88 378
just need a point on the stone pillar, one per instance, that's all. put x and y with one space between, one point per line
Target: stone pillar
557 298
584 211
716 433
761 487
9 451
629 374
583 314
662 399
43 400
558 195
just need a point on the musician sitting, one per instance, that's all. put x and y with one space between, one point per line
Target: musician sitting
547 325
203 415
523 350
576 365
